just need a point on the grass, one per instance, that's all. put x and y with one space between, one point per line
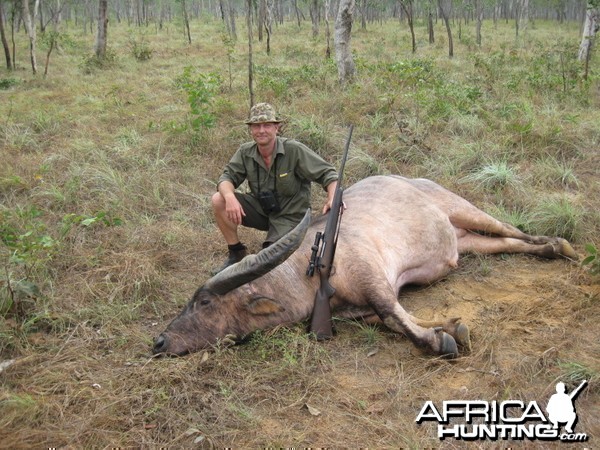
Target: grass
558 217
577 372
122 181
494 176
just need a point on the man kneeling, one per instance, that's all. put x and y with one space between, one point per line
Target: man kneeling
279 172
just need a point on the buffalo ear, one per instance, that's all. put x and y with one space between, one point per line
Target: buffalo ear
263 306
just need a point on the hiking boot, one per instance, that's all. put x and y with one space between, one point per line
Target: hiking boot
235 256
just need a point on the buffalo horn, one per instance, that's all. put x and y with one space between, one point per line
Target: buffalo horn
255 266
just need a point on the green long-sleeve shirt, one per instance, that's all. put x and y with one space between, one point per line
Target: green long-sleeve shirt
292 170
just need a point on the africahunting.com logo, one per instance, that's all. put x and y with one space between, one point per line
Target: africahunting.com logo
511 419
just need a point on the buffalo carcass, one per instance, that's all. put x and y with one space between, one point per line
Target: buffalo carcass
395 231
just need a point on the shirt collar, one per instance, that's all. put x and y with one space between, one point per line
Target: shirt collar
279 150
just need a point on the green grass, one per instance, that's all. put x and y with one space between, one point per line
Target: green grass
576 372
494 176
558 216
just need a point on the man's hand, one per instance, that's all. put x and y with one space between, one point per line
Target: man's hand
330 194
233 209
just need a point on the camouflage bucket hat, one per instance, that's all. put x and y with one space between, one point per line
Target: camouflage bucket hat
262 113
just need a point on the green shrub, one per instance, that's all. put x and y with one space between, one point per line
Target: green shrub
26 247
7 83
201 89
140 48
592 260
91 63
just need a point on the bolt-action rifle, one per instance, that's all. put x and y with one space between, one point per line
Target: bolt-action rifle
323 251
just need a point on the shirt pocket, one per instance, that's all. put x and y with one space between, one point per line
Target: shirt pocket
287 184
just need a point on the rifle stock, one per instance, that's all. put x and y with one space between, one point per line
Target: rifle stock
321 323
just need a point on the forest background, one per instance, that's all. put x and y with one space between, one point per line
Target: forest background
109 156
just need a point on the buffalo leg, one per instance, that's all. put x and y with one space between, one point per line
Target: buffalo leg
454 327
465 217
552 248
381 298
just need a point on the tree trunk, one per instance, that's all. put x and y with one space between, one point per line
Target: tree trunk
295 3
327 31
524 16
138 11
4 41
262 18
30 24
407 6
186 22
341 39
232 26
430 27
363 14
445 15
12 36
269 24
224 17
42 24
101 35
479 20
314 17
592 22
250 63
52 44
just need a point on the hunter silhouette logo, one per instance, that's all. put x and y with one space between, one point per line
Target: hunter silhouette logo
509 419
560 407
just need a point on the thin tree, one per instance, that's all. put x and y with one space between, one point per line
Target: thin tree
327 31
430 8
186 22
3 37
30 23
269 24
102 33
314 17
232 19
479 20
591 26
250 63
445 14
362 6
407 6
262 18
13 20
341 39
523 17
228 16
224 16
295 4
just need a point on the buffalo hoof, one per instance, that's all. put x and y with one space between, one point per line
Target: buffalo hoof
462 336
459 331
447 344
565 249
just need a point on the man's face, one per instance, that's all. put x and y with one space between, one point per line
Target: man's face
264 133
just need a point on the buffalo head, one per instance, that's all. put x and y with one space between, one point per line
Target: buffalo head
226 305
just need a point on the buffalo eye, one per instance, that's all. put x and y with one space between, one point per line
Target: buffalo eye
204 302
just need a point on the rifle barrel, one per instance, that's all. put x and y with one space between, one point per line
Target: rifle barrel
321 323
